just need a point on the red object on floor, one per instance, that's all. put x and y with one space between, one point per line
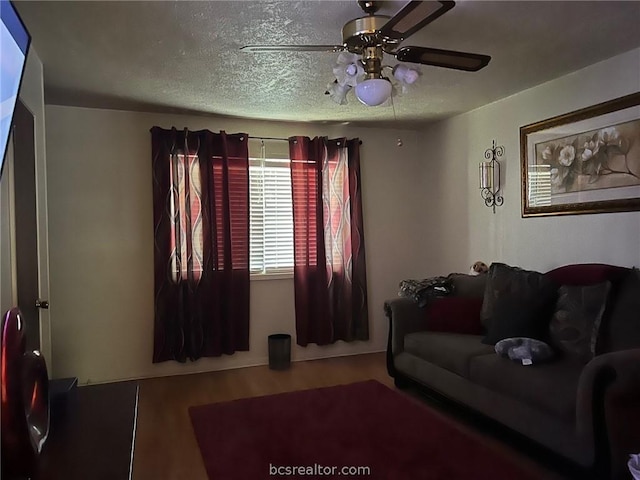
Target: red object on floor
364 424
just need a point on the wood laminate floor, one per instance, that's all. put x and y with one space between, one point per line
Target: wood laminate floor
166 448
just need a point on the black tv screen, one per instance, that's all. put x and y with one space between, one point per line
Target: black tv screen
14 44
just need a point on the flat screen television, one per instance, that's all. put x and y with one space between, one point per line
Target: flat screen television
14 45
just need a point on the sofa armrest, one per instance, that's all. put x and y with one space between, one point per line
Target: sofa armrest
404 317
608 408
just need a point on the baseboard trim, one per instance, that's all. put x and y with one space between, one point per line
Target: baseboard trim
261 361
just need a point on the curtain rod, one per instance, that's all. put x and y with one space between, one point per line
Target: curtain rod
270 138
278 139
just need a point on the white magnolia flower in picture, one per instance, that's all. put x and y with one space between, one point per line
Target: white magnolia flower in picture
609 135
567 155
547 153
590 149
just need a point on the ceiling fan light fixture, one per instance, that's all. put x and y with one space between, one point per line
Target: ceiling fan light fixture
373 91
365 42
338 92
405 74
348 69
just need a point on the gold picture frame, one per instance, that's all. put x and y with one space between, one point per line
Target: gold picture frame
587 161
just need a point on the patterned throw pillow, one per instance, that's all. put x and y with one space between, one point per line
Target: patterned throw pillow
621 330
530 288
575 324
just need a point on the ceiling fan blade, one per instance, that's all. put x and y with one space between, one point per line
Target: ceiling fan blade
471 62
413 16
291 48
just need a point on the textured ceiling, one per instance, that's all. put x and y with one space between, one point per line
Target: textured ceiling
184 56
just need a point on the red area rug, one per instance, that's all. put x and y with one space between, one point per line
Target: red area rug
315 433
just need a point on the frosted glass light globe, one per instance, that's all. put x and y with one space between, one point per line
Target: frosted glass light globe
405 74
351 69
374 91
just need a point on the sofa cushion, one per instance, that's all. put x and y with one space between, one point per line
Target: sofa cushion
551 387
527 286
455 315
621 329
515 317
451 351
468 285
575 323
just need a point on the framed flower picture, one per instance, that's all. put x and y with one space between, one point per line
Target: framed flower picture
587 161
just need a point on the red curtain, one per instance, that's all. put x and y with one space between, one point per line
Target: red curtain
201 240
329 272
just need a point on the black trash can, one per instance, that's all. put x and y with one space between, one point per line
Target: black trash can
279 351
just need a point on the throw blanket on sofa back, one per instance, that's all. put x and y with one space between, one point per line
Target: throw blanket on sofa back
458 284
420 291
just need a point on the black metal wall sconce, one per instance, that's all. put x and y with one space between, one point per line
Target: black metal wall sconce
490 177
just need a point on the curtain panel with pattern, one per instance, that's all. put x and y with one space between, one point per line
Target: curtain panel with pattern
329 255
201 243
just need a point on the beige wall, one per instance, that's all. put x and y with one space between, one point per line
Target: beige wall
101 240
465 230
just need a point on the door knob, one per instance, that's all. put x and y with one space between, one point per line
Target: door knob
44 304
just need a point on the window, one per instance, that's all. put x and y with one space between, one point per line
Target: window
270 216
187 237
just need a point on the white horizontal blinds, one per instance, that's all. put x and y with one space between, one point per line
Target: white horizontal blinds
278 216
271 214
256 216
539 185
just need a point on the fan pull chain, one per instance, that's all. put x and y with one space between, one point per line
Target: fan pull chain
395 120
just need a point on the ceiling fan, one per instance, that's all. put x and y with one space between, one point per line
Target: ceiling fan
371 36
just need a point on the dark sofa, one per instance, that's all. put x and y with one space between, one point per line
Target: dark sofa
586 411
